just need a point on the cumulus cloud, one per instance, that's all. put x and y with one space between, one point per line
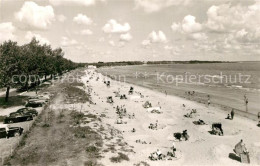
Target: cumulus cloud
188 25
238 20
112 26
35 16
157 5
82 19
168 47
190 28
29 35
198 36
126 37
61 18
86 32
73 2
154 37
7 31
146 42
112 43
159 37
66 42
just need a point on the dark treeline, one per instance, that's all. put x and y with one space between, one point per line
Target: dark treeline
124 63
27 60
182 62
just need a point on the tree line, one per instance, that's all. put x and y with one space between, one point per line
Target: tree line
30 59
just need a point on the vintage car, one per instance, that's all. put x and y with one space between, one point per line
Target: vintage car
16 117
6 131
28 111
34 103
39 98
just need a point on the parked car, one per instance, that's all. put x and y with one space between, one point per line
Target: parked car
6 131
40 97
34 103
28 111
16 117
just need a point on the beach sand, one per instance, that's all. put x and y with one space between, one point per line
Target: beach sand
201 149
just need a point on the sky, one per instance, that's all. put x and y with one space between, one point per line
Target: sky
137 30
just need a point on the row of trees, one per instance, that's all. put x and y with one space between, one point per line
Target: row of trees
30 59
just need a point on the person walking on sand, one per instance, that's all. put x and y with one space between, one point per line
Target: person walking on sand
232 114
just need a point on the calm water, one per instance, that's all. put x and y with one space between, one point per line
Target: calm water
226 83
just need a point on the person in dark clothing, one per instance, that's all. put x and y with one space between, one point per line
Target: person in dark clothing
232 114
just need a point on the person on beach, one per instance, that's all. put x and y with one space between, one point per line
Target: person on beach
208 102
232 114
258 115
246 104
173 149
159 154
228 116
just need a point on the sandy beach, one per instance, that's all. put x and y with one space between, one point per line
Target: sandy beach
201 149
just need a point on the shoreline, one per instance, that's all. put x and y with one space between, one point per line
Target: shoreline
225 108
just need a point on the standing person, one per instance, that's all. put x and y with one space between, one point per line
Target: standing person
173 149
208 102
246 104
258 115
232 114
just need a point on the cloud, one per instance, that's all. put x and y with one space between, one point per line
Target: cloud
7 31
198 36
29 35
61 18
112 43
157 5
146 42
82 19
168 47
157 37
112 26
86 32
35 16
238 20
66 42
73 2
188 25
190 28
154 37
126 37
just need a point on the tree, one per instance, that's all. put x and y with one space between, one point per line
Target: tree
9 60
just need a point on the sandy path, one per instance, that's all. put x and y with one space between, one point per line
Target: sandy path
202 148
